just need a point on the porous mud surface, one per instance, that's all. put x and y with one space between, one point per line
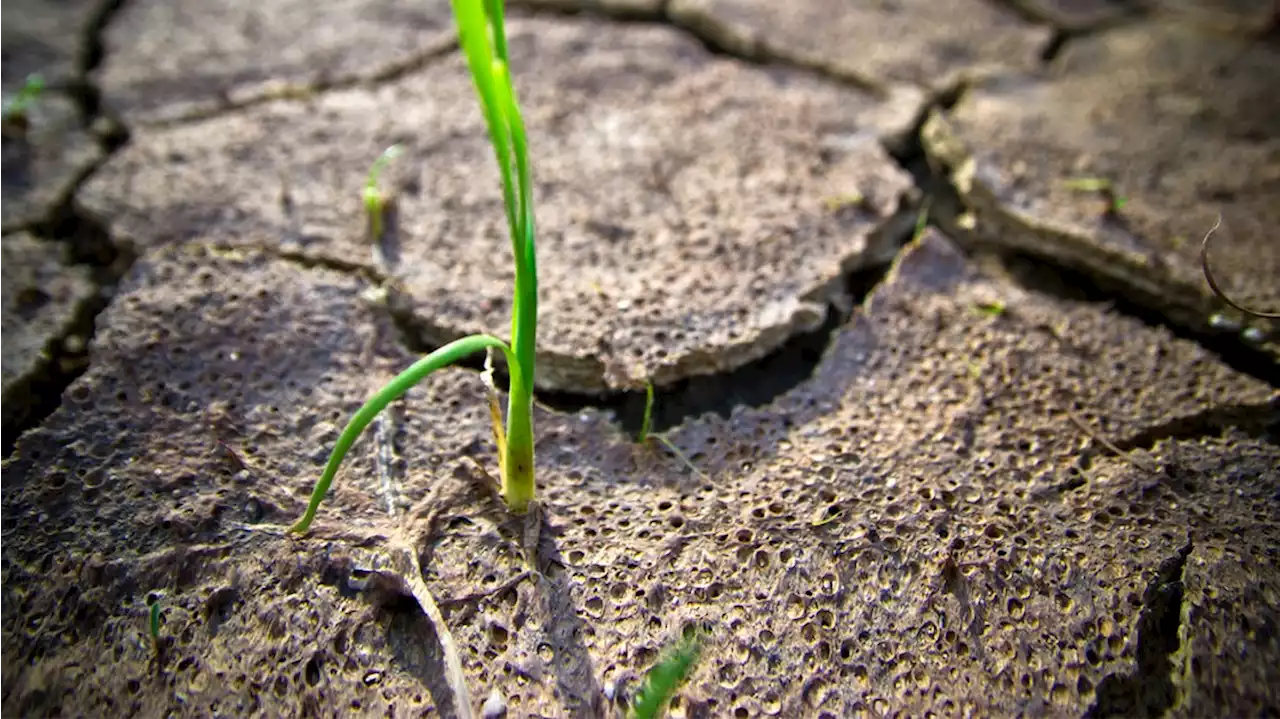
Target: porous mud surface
1023 464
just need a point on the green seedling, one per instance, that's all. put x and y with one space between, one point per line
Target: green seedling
922 218
153 621
15 109
994 308
1115 201
646 433
666 677
646 423
482 36
374 201
835 203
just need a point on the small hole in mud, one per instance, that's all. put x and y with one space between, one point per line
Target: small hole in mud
312 671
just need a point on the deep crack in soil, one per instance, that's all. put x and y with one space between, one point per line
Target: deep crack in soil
1148 691
87 239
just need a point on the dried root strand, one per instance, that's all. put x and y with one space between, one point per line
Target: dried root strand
1213 284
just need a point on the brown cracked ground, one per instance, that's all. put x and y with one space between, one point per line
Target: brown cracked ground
1033 471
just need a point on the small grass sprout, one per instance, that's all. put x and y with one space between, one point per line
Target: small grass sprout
1115 201
646 422
990 308
835 203
153 620
374 200
666 677
16 107
647 433
922 218
482 36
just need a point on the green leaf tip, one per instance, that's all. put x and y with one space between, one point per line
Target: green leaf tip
665 678
153 618
374 200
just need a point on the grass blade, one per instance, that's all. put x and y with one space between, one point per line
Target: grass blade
482 35
393 390
666 677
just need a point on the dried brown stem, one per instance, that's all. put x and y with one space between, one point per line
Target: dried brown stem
1213 285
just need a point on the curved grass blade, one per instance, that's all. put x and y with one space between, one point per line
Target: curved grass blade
403 382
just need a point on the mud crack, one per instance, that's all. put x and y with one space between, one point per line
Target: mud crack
1049 276
1148 690
87 240
1259 420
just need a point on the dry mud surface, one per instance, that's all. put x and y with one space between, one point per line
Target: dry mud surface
1023 464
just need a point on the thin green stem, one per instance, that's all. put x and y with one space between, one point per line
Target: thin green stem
482 34
646 422
403 382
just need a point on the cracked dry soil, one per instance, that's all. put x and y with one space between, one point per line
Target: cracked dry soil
1025 464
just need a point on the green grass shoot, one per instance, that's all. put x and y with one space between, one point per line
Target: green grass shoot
153 621
646 422
647 433
666 677
374 201
15 108
922 218
482 36
993 308
1088 184
1116 202
835 203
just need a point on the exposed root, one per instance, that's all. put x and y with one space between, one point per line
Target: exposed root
1084 426
411 571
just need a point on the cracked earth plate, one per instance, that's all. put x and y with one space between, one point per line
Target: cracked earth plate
921 526
44 162
45 301
1180 122
166 60
694 212
930 43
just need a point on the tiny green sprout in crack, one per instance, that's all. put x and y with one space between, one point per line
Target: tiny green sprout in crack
482 36
1115 201
374 201
16 107
922 218
646 422
647 433
666 677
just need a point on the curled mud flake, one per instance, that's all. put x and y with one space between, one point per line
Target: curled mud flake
1213 284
